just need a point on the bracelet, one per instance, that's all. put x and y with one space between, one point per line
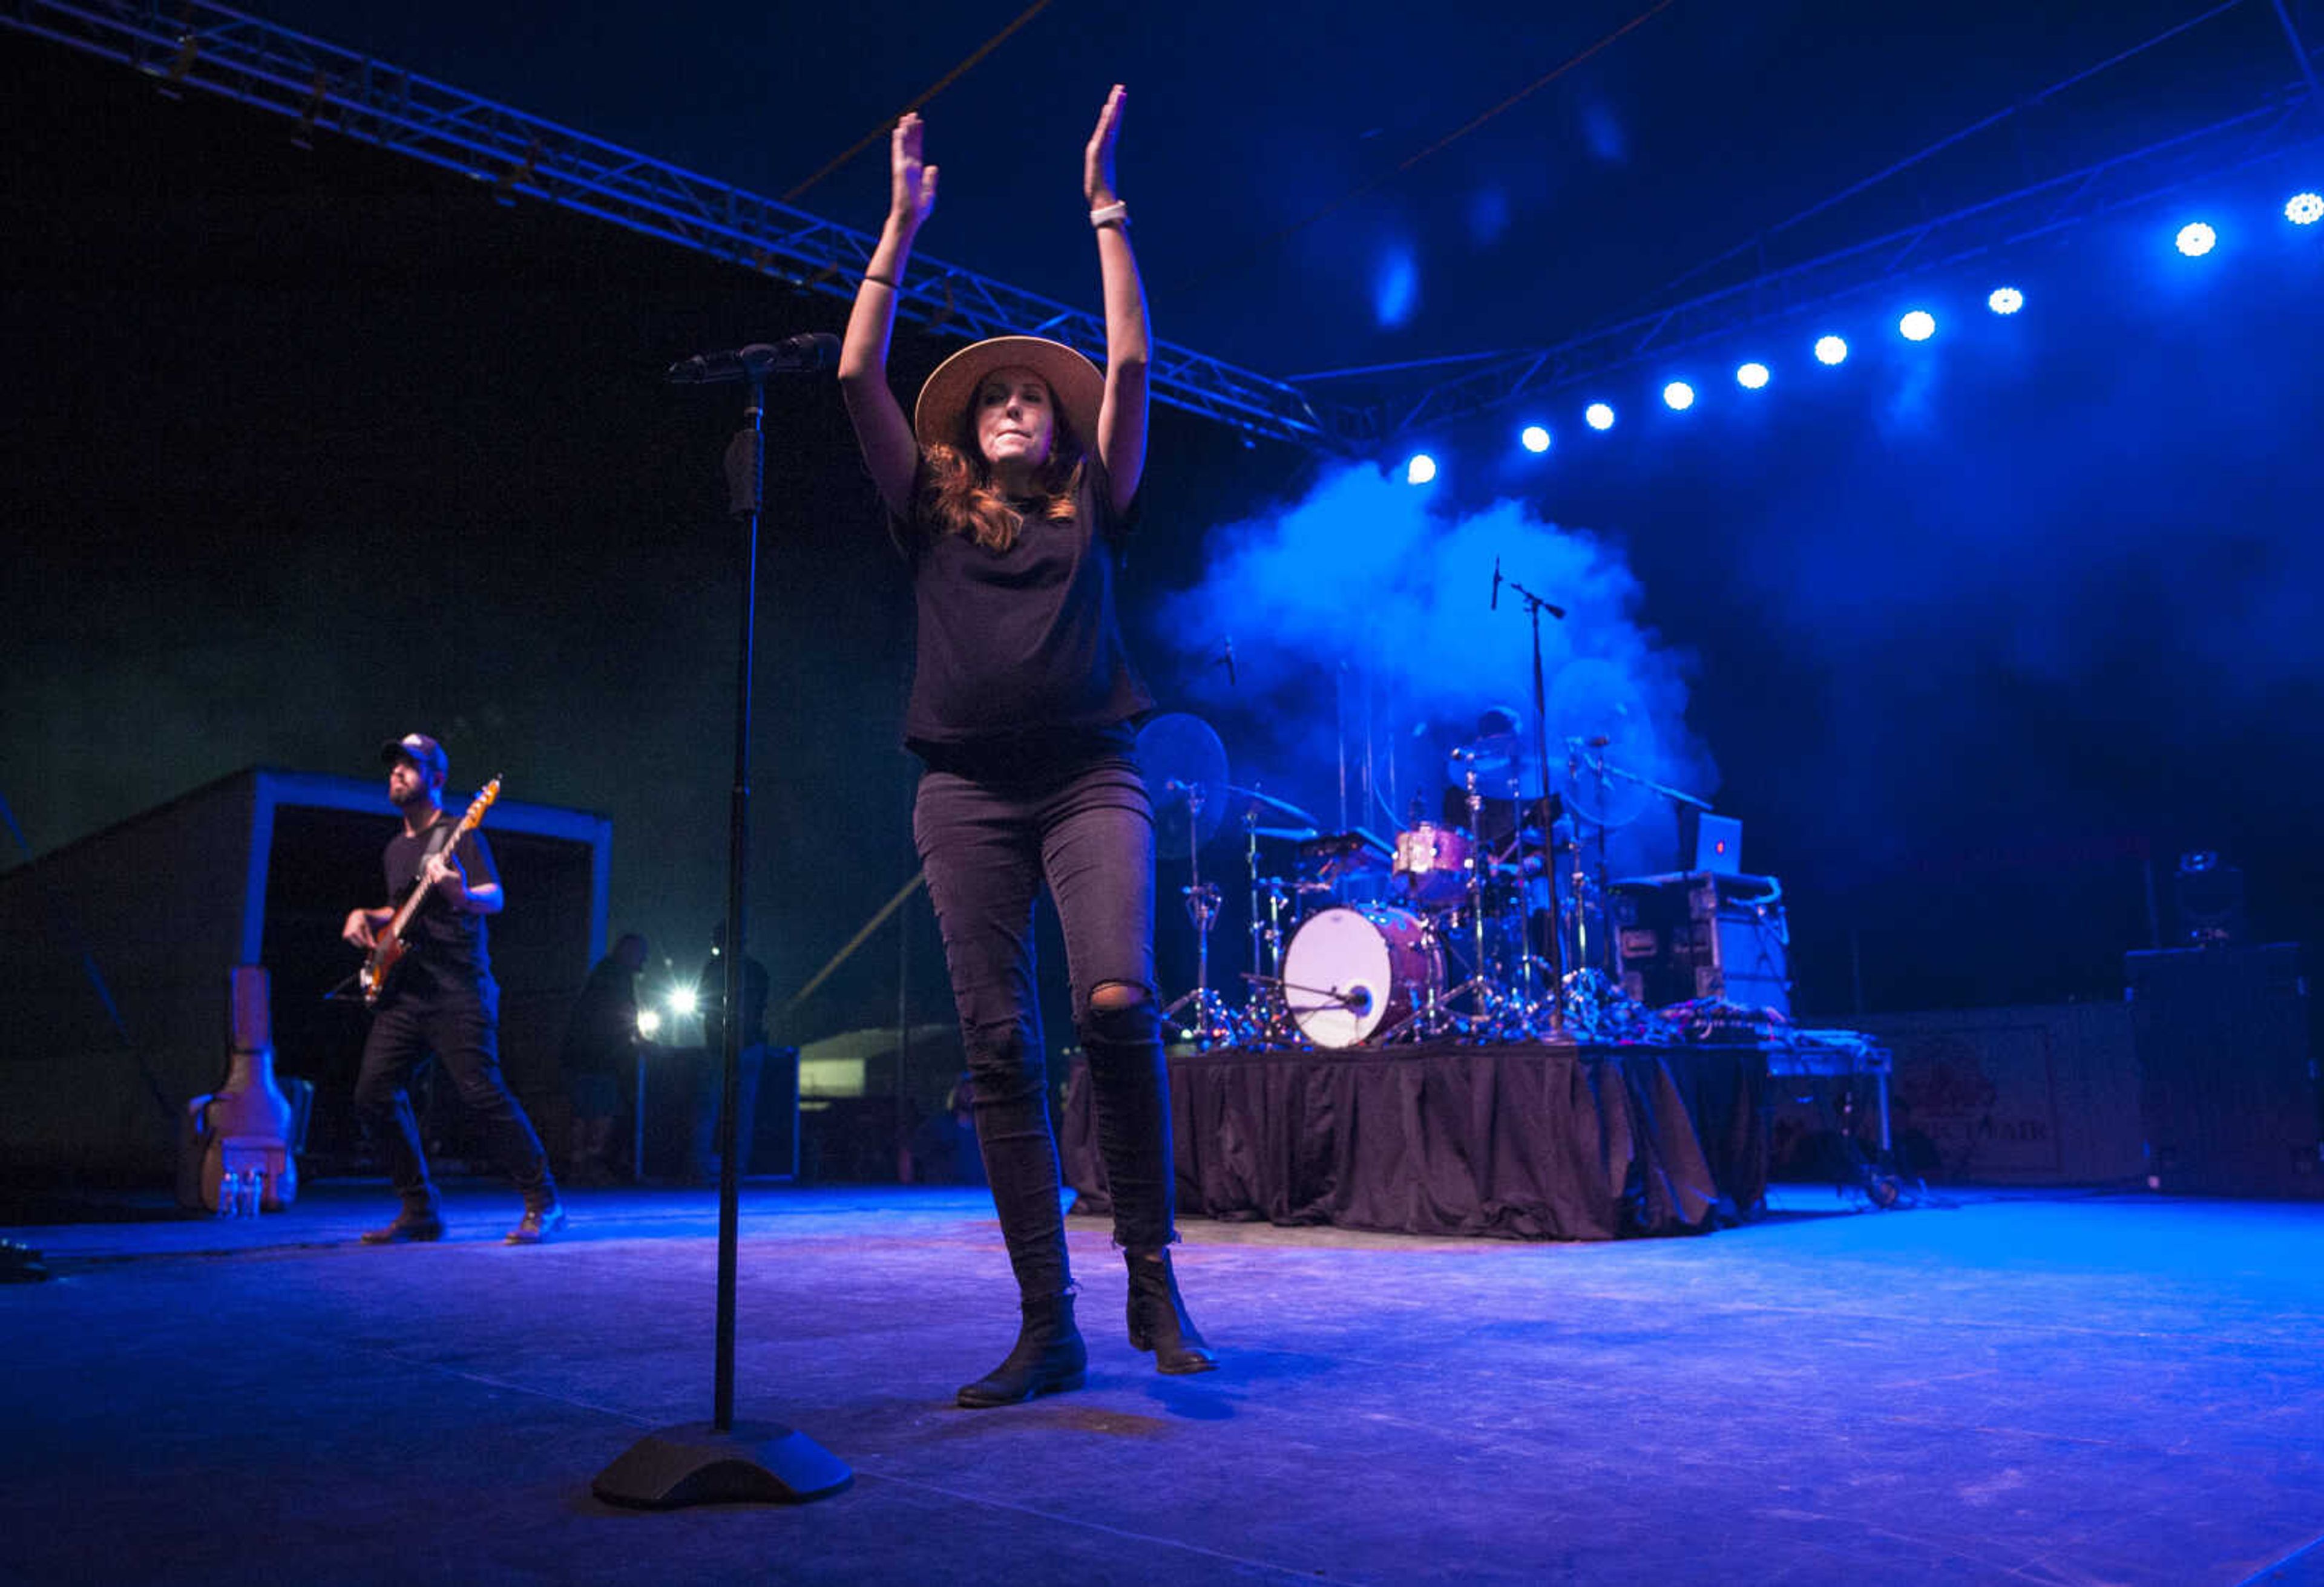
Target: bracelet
1116 213
883 280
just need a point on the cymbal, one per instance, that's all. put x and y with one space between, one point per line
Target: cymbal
1506 767
1603 724
1179 754
1288 834
1251 801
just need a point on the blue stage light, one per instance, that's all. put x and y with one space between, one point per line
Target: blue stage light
1751 376
2006 300
1420 470
1599 417
1679 395
2305 209
1534 438
2196 239
1918 325
1829 350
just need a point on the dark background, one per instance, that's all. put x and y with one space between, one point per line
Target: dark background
312 447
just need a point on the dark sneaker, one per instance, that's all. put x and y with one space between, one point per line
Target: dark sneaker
407 1226
539 1222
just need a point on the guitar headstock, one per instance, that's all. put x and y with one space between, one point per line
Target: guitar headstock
476 808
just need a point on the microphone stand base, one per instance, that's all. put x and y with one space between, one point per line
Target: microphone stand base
751 1463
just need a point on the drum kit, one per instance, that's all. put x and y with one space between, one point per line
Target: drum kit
1489 925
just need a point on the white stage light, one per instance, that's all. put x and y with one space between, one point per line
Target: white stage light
648 1022
2196 239
1918 325
1534 438
2305 209
1751 376
1599 417
1679 395
682 1001
1420 470
1829 350
2006 300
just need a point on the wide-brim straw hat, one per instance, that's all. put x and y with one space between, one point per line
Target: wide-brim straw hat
940 417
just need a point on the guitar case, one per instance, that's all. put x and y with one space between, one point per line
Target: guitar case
248 1121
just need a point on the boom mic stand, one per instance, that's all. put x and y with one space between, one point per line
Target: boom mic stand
723 1462
1535 606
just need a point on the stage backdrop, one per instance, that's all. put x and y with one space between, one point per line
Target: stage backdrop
258 868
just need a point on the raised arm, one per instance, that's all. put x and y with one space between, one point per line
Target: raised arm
1121 420
881 430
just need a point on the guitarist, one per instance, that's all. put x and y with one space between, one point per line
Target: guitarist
440 997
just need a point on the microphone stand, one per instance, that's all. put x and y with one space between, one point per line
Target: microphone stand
1535 606
723 1462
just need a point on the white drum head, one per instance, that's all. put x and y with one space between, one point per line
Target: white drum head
1336 977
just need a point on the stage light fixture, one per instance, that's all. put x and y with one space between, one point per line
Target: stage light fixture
1679 395
1830 350
2196 239
1918 325
1534 438
2305 209
648 1022
1420 470
682 1001
1751 376
2006 300
1599 417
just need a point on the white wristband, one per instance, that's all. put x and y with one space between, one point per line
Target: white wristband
1116 213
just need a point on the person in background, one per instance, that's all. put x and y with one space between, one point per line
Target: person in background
599 1050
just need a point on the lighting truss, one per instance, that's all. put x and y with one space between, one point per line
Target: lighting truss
191 44
2284 122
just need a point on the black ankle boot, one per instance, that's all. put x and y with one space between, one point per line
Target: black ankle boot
1158 1320
1050 1357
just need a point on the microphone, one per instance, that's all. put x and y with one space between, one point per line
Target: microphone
807 353
1227 655
1497 584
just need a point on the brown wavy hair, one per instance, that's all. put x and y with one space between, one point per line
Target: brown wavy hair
958 495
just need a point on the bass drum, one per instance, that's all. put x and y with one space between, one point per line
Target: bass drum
1349 973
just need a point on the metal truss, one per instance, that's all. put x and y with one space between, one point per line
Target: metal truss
195 45
2286 121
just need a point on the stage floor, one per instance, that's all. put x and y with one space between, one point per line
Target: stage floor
2017 1387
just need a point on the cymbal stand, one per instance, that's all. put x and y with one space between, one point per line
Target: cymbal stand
1485 997
1208 1022
1266 1016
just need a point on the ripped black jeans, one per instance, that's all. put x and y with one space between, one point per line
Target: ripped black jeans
989 842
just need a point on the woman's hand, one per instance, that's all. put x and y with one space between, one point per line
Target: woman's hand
1097 159
912 183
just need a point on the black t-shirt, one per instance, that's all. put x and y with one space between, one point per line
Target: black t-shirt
1021 644
448 944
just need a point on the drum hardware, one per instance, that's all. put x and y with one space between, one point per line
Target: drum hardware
1205 1020
1535 606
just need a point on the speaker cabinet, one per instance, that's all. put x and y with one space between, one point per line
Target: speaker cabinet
2228 1080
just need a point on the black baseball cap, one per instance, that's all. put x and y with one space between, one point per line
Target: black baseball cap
419 750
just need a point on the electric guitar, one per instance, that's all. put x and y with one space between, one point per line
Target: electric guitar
388 946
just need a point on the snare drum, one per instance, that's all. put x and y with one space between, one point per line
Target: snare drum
1432 865
1349 973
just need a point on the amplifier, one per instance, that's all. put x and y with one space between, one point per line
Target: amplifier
1695 934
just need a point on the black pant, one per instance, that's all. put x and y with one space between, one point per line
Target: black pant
989 844
460 1025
